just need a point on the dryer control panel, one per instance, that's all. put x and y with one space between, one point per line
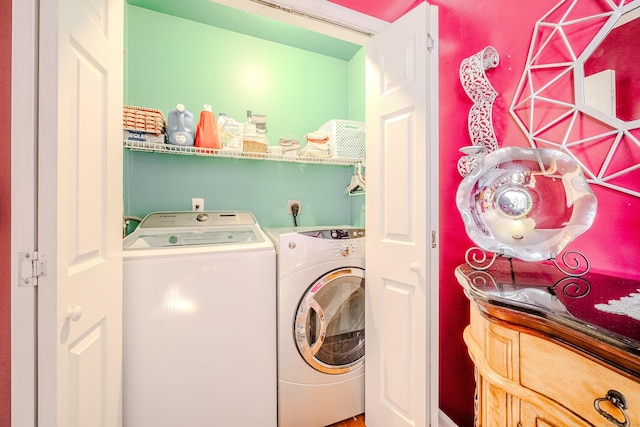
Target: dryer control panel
299 249
340 233
350 240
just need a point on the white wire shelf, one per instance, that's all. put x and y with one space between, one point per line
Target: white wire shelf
212 152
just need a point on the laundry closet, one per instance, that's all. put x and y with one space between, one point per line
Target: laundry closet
170 60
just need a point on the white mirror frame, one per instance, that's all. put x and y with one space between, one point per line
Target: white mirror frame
566 115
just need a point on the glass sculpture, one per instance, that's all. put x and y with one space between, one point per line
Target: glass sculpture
526 203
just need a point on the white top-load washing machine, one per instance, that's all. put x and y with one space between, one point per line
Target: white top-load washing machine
199 322
320 324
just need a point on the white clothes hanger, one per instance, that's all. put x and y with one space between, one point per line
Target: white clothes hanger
357 185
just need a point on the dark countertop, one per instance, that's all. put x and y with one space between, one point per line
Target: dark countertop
590 313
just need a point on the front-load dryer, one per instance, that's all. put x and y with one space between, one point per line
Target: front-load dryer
320 295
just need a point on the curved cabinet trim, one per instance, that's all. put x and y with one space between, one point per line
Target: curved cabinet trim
488 374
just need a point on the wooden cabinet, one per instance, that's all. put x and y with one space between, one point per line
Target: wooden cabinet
525 378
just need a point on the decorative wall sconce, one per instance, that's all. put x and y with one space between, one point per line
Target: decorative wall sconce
525 203
477 86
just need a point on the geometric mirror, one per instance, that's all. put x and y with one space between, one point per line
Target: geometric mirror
578 92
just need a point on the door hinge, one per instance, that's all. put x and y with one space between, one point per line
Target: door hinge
430 43
434 240
31 266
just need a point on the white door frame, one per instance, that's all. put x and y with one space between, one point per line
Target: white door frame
322 17
23 208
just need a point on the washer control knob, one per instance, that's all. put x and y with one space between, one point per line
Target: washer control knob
345 251
292 245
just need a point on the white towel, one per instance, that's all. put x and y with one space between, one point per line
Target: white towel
290 146
318 136
313 149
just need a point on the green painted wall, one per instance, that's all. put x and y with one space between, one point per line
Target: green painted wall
357 112
357 87
171 60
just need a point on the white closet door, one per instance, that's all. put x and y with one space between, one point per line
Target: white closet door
80 212
401 215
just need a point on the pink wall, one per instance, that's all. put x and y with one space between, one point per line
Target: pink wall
466 27
387 11
5 214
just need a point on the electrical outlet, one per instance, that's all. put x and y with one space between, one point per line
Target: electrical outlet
291 203
197 204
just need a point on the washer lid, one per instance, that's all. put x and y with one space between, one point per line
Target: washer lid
171 229
197 219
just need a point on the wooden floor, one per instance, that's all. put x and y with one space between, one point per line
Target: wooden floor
351 422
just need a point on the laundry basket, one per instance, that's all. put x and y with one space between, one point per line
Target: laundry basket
141 119
346 138
255 146
143 124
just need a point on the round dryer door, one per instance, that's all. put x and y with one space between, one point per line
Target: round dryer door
329 322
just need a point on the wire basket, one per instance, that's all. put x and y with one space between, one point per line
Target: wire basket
141 119
253 147
346 138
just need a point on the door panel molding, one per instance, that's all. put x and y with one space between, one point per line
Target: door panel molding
402 215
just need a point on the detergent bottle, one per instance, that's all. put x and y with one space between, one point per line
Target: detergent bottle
207 130
181 126
230 133
222 137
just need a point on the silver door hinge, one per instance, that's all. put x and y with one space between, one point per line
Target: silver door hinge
430 43
31 266
434 240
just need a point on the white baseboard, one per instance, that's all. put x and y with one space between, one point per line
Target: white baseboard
444 420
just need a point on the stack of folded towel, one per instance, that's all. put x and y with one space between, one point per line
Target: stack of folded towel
290 146
317 145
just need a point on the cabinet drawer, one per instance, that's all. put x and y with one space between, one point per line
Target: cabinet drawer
532 416
575 381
